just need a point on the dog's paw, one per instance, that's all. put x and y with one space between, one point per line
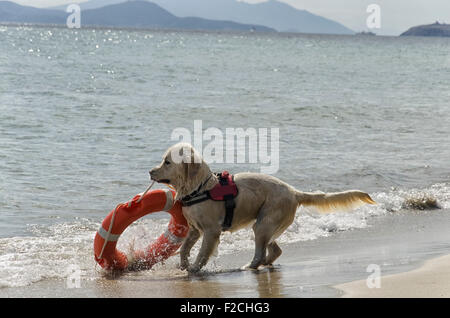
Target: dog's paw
184 265
193 269
248 267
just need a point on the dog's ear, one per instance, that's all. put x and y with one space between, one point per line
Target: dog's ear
191 162
191 169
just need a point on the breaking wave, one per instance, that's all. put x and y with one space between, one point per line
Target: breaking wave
50 251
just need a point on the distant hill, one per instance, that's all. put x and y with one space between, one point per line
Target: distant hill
12 12
273 14
93 4
137 14
435 29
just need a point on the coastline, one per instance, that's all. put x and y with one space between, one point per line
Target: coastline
60 179
431 280
398 242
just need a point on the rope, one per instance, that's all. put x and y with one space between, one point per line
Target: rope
109 231
114 215
111 224
145 192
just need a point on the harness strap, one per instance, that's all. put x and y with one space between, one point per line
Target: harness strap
217 194
191 200
229 211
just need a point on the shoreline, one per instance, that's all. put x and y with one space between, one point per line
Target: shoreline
398 242
431 280
170 30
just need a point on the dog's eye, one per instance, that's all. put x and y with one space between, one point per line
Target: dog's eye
166 162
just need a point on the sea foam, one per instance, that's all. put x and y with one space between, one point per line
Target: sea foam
50 251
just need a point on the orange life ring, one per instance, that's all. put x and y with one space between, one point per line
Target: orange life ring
106 254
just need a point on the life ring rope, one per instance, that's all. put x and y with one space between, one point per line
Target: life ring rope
107 235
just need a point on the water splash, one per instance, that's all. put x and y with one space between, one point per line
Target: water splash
50 250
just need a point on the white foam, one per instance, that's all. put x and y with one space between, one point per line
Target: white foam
50 251
24 260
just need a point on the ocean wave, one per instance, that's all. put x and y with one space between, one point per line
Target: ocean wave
46 254
52 250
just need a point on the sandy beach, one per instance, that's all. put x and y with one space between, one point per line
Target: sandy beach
432 280
87 113
405 246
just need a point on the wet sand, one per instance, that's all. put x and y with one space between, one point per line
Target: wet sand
432 280
397 242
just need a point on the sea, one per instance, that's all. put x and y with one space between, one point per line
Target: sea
86 113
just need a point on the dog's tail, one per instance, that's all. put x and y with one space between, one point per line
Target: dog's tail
329 202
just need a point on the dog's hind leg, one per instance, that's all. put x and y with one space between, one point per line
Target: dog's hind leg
264 230
261 242
273 219
274 251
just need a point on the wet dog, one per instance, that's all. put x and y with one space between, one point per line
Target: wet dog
263 200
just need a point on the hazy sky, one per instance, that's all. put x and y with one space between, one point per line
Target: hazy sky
396 15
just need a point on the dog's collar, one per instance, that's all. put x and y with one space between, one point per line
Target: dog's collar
196 196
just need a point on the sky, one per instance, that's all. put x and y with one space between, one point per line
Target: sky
396 15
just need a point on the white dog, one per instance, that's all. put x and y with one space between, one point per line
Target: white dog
267 202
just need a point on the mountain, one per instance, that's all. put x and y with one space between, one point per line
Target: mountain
150 15
435 29
138 14
12 12
92 4
274 14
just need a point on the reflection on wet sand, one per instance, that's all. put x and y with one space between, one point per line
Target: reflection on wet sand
269 282
227 283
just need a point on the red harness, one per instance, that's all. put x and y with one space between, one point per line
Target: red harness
226 190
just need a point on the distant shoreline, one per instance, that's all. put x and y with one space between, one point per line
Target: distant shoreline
430 30
139 13
145 29
129 28
409 33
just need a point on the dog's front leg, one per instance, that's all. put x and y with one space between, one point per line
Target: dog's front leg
209 244
189 242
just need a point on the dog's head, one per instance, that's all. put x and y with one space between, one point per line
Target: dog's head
183 167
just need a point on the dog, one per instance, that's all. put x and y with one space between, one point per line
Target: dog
264 201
